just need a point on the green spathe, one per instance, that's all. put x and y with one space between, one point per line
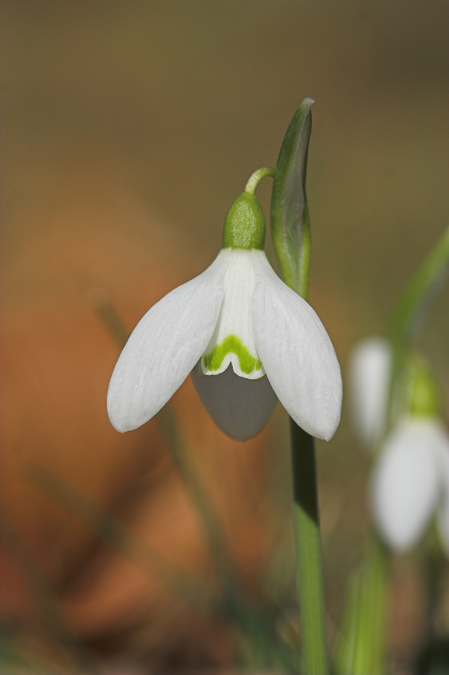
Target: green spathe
290 224
424 394
245 224
232 344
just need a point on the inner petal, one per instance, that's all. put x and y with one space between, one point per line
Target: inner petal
233 339
239 406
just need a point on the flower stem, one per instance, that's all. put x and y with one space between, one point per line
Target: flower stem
361 646
309 570
417 296
257 176
408 314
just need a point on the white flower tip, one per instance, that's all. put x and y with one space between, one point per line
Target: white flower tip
369 372
406 484
121 427
328 425
115 408
320 411
325 424
118 424
123 414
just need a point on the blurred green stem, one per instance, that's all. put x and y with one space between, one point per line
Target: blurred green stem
212 525
53 620
361 646
408 313
418 293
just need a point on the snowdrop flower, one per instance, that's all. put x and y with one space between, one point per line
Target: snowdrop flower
369 379
411 482
249 339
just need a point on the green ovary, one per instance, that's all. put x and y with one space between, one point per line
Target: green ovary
232 344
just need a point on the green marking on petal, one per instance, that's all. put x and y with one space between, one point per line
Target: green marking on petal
232 344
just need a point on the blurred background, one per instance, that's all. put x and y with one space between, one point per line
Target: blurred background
128 130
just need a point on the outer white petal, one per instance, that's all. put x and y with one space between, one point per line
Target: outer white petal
239 406
164 347
406 483
296 352
369 376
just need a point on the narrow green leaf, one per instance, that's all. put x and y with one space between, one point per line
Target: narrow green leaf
53 620
361 646
410 310
212 525
289 213
121 539
415 300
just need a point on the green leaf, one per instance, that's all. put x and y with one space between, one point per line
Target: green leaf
20 655
418 295
361 645
289 213
410 311
121 539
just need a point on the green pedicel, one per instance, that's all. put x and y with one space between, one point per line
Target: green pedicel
232 344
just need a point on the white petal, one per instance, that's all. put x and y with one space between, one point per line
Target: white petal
164 347
296 352
233 339
406 484
240 407
369 379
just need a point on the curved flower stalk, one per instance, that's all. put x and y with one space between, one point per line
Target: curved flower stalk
410 482
250 339
369 377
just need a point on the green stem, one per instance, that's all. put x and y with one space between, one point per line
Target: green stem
213 529
418 293
257 176
309 568
408 313
47 604
370 644
361 646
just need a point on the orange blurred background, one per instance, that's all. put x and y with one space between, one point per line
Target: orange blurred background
128 130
